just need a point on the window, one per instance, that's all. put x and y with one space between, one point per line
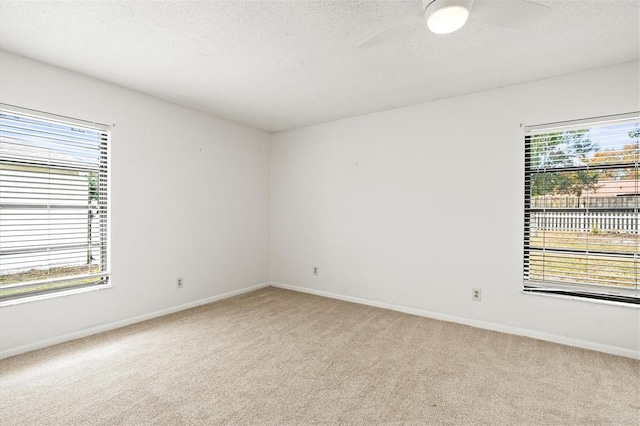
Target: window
582 195
53 204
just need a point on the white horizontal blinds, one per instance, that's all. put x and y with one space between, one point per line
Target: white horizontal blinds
53 204
582 195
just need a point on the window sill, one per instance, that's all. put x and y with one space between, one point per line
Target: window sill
21 300
583 299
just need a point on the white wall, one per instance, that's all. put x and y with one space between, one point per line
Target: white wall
414 207
190 197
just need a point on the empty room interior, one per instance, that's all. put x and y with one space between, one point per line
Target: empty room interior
320 212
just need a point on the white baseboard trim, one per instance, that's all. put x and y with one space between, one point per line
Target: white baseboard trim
629 353
123 323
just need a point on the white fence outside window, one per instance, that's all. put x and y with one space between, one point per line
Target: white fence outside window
624 222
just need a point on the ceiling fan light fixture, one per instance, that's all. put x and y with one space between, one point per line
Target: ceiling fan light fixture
447 16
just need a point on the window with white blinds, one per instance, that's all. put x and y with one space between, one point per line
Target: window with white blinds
53 204
582 196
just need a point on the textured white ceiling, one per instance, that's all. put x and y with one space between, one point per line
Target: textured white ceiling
277 65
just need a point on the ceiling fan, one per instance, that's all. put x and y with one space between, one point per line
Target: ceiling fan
447 16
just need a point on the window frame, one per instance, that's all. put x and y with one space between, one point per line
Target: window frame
582 291
102 278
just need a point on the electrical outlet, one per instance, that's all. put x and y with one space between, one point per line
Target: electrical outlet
476 294
315 270
179 282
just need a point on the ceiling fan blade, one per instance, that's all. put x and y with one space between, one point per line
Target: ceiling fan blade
516 14
392 31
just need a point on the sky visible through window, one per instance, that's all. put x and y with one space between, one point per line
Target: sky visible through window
33 142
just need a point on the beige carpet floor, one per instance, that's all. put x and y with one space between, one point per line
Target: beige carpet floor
276 357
